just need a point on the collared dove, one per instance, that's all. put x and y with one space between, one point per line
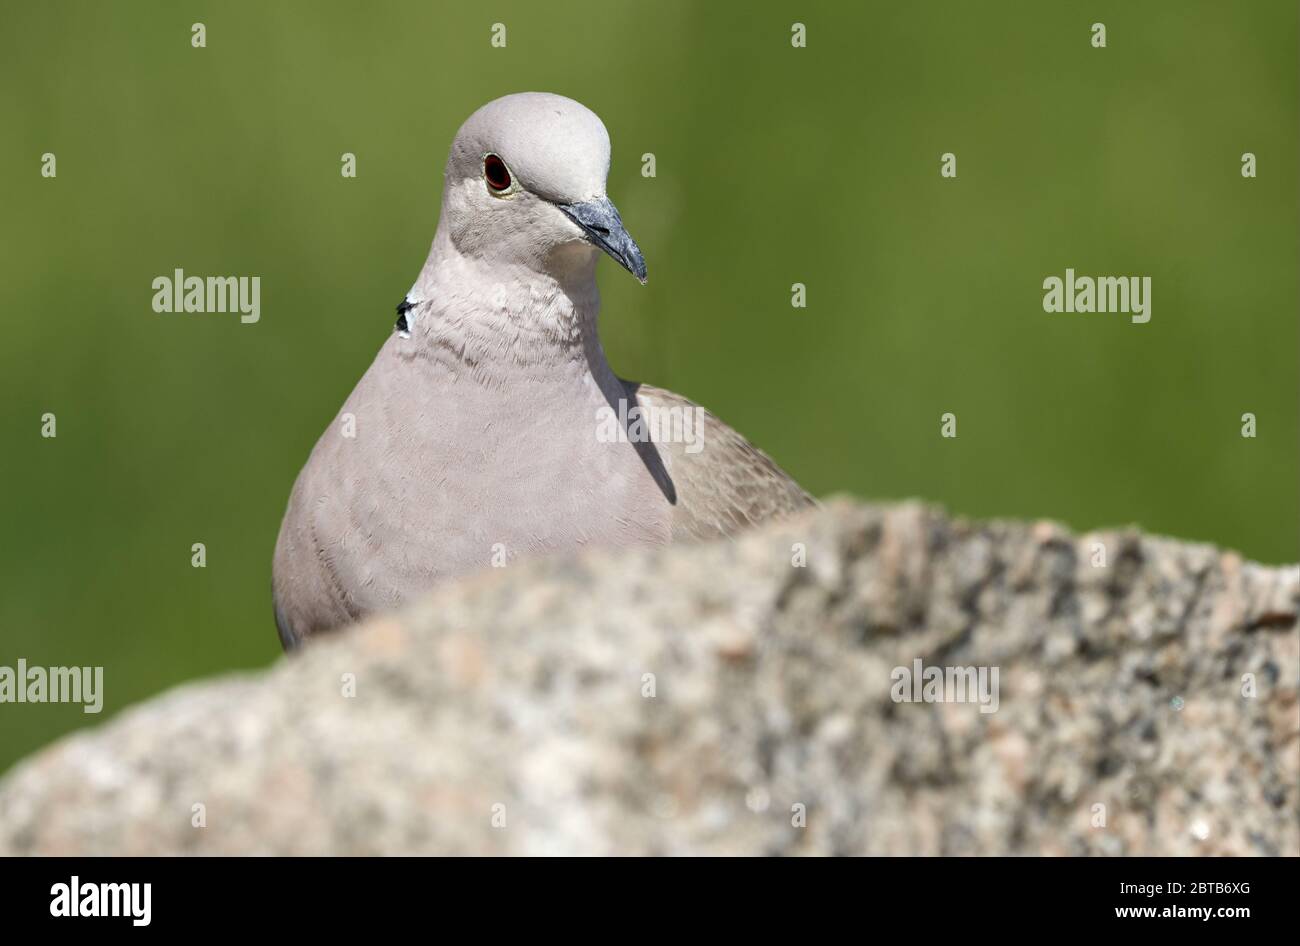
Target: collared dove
481 432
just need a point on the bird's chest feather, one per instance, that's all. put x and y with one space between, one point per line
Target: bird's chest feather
454 476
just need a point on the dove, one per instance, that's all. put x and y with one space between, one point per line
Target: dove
480 433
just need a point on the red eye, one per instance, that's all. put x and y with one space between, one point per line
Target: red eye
494 169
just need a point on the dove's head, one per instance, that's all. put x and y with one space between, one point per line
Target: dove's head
525 184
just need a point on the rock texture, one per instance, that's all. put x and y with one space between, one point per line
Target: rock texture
723 699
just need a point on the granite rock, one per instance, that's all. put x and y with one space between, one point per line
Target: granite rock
737 698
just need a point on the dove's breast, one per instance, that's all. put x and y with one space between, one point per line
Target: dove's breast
417 482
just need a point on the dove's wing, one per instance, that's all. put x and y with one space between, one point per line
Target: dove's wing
723 484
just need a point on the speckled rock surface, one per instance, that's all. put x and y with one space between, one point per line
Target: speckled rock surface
724 699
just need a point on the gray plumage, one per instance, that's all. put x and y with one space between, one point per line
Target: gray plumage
480 432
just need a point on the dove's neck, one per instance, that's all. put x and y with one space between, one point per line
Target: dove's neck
494 321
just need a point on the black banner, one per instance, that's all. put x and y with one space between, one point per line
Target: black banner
238 895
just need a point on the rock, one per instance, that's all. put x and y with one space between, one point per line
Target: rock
716 699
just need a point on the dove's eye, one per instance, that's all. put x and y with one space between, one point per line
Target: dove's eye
495 172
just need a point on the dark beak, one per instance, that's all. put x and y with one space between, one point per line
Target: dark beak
599 219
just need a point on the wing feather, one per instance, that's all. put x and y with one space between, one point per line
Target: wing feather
727 484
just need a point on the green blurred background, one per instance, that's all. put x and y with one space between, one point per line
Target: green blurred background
775 165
